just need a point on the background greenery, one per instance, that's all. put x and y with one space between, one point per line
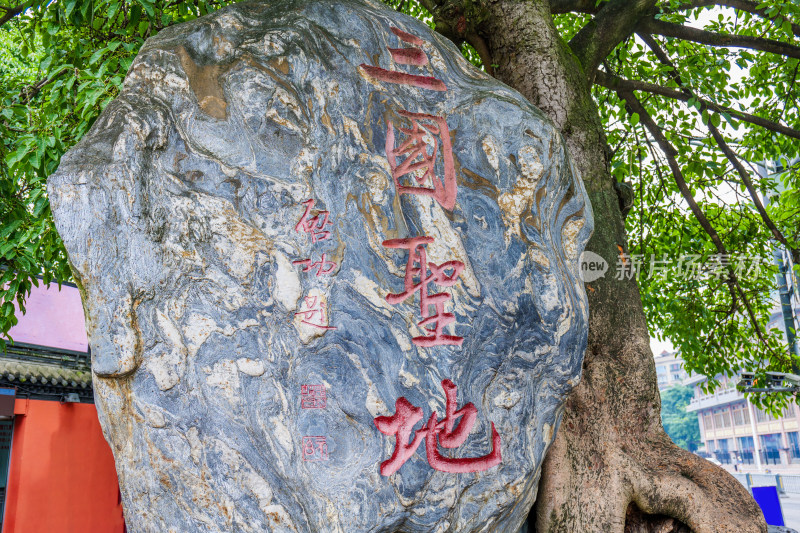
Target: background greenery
682 427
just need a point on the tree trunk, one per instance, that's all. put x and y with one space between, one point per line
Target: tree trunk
611 458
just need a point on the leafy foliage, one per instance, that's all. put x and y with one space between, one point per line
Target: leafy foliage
710 324
682 427
62 62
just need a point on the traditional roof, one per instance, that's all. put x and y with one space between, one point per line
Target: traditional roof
44 374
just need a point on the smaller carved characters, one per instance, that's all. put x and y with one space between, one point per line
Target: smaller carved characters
323 266
314 312
313 397
315 448
314 226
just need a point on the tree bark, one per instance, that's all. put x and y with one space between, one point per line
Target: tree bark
611 458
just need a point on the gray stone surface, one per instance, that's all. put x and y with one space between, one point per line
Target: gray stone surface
179 212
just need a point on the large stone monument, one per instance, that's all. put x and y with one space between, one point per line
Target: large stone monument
330 272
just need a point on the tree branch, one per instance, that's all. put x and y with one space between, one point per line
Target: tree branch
11 12
668 29
615 83
570 6
29 92
431 5
742 5
745 177
480 46
613 24
671 154
662 56
720 140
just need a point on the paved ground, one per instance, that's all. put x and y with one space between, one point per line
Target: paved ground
790 505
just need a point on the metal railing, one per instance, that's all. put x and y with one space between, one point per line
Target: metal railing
784 483
717 397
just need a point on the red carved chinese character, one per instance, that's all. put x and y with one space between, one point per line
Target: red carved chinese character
417 255
323 266
420 159
407 37
313 397
435 432
314 225
442 432
315 448
406 56
400 425
314 313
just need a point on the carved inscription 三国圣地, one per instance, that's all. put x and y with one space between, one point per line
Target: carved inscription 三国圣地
414 152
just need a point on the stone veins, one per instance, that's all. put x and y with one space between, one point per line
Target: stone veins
178 210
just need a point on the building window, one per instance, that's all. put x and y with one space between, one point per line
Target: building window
741 416
746 450
761 416
6 433
770 445
722 454
794 444
708 425
722 419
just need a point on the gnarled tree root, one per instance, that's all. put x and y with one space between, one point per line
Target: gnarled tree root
613 469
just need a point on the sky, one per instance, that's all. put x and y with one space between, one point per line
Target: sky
659 346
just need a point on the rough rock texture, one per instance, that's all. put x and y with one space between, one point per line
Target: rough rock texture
183 214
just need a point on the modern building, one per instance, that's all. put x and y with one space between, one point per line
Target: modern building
734 431
669 369
56 470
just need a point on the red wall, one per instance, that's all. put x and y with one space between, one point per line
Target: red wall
61 477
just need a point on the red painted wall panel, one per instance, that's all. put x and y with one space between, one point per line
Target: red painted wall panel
61 477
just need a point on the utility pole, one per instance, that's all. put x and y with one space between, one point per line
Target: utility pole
786 290
786 286
756 442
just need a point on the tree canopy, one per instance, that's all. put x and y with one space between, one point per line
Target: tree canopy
698 94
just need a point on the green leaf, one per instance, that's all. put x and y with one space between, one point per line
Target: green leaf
148 7
69 5
97 55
